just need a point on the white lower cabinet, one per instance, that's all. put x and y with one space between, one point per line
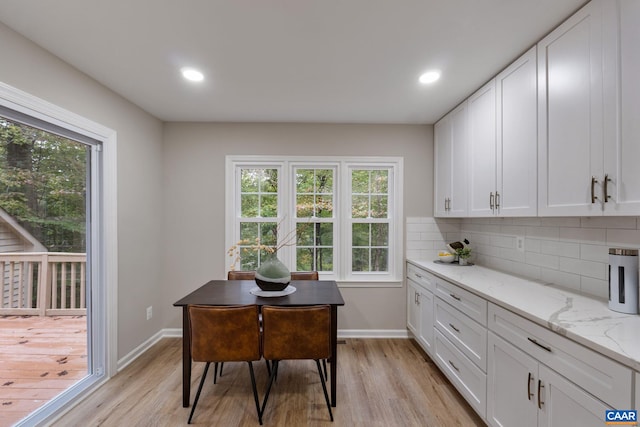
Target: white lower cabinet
523 392
420 306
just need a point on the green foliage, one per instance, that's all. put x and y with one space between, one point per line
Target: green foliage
43 185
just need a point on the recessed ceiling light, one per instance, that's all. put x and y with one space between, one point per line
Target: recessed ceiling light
429 77
192 74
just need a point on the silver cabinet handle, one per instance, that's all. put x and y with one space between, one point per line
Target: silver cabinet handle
593 193
606 192
529 394
455 297
454 366
491 200
454 328
497 200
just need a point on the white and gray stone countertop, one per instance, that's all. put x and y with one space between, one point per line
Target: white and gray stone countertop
582 318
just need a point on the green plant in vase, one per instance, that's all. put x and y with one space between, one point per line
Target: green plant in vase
463 255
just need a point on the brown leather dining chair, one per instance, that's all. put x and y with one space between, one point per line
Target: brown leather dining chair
295 333
225 334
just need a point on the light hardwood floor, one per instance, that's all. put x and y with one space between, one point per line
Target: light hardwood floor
381 382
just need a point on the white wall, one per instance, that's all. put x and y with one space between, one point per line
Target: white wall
194 165
31 69
570 252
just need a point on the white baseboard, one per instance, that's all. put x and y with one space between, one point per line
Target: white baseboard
139 350
373 333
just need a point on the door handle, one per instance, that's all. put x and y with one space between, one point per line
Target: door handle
497 200
544 347
593 193
491 200
529 394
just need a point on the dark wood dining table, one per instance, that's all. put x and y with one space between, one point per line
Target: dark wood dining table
237 292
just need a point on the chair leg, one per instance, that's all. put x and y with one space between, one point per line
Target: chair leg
324 365
215 372
268 367
324 388
274 372
195 402
221 366
255 392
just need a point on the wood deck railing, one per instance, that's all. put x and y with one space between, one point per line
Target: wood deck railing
42 283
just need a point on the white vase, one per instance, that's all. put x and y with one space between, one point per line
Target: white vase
463 261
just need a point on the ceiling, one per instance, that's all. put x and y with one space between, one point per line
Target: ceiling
331 61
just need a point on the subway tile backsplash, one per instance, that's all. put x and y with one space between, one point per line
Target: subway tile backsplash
570 252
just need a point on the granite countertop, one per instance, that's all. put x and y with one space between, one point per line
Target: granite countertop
582 318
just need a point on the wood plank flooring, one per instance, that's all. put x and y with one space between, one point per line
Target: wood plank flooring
39 358
381 382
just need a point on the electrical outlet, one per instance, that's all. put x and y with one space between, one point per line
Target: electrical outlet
149 312
520 243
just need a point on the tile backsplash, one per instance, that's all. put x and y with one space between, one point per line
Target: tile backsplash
572 252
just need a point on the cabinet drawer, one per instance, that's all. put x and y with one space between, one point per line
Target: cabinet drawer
467 335
422 277
604 378
470 304
470 381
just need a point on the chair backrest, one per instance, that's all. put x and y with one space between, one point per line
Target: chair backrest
241 275
224 334
304 275
250 275
296 332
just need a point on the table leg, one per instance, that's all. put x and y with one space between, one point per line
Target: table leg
186 358
334 352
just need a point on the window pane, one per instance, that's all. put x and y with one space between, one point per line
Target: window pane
325 259
360 206
304 206
324 234
380 181
379 259
360 235
324 181
269 234
379 234
379 208
249 231
324 206
249 205
248 259
304 181
249 180
305 235
360 181
304 259
360 259
269 181
269 206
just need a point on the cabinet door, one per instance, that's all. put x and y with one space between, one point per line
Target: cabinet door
412 307
517 125
426 321
570 108
562 403
459 136
482 151
622 151
442 167
512 377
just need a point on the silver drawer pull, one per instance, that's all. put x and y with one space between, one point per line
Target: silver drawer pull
544 347
454 366
529 394
454 328
418 276
540 402
455 297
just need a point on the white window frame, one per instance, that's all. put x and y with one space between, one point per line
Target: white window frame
342 205
102 315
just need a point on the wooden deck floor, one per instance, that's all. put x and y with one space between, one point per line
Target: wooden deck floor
39 358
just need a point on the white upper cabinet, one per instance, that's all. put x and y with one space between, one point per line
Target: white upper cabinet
571 116
483 197
517 133
450 146
503 142
622 149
